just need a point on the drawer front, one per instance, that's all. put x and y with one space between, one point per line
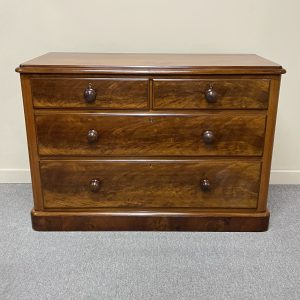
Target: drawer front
194 183
210 94
99 134
100 93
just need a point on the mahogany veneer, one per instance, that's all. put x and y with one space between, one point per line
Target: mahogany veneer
150 141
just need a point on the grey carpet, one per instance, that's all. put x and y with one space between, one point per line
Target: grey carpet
149 265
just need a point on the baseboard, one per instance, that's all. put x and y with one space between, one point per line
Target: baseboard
23 176
285 177
15 176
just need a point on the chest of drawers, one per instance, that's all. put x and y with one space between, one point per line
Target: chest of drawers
150 141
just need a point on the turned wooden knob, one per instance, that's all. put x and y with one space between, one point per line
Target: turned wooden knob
211 95
95 185
92 136
208 137
205 185
89 94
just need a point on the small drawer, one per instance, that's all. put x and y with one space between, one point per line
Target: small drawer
211 94
91 93
107 134
157 183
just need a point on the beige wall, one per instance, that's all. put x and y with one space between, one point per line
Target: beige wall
30 28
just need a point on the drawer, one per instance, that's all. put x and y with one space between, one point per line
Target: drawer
96 134
99 93
211 94
157 183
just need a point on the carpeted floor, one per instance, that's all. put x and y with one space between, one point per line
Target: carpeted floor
149 265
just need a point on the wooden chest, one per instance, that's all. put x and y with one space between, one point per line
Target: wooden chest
150 141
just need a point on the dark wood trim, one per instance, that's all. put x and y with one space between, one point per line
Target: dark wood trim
150 85
113 113
93 221
32 142
152 71
174 158
160 77
160 210
268 145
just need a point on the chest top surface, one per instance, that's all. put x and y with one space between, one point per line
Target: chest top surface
67 62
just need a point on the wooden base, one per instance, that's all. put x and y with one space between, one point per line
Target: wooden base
149 221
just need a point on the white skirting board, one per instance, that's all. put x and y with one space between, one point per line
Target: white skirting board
23 176
285 177
15 176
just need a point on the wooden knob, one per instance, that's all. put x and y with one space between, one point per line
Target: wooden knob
208 137
205 185
89 94
95 185
92 136
211 95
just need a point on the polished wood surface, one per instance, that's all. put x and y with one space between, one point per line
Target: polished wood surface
59 62
230 94
149 141
154 221
61 59
235 133
177 183
32 143
111 93
268 144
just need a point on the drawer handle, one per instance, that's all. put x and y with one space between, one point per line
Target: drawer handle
95 185
205 185
211 95
92 136
208 137
90 94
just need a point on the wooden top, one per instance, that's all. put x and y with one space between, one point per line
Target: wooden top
144 64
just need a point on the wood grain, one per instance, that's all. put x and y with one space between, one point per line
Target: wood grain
268 145
112 93
234 184
153 134
143 221
146 155
105 63
190 94
32 143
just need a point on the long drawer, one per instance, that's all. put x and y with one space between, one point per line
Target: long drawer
211 93
90 93
96 134
150 184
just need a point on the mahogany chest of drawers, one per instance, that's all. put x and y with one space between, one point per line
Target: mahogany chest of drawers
150 141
